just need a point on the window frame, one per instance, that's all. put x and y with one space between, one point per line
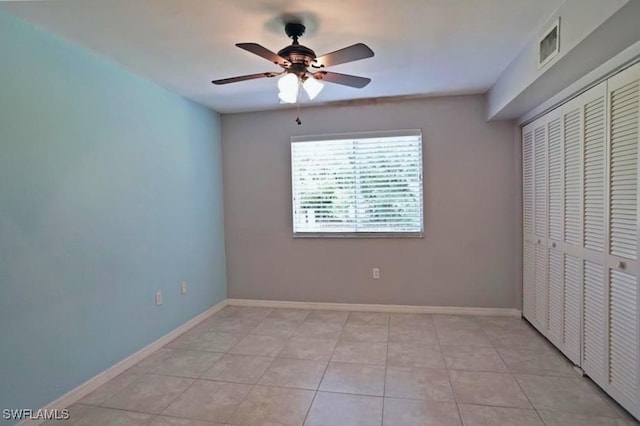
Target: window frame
357 135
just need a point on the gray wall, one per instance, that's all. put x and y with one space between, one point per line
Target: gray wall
469 255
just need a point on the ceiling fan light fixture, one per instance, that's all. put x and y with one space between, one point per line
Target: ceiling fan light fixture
288 86
313 87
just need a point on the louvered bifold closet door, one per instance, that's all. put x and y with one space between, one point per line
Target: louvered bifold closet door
594 333
555 228
540 207
573 142
528 213
622 239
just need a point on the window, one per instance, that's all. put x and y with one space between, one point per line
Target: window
358 184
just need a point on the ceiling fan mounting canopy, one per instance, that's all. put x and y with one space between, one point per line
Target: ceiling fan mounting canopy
297 59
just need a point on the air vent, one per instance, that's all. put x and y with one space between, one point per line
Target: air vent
549 44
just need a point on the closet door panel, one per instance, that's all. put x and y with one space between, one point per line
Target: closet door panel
572 322
529 281
623 381
528 189
623 333
528 219
623 163
556 297
573 141
556 178
595 172
594 360
540 180
540 141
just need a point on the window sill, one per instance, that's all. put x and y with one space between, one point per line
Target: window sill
359 235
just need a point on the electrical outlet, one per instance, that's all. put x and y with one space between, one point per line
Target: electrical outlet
158 298
183 287
375 272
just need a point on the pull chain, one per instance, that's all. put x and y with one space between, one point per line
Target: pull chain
298 117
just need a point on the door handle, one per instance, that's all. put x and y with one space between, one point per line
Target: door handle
621 265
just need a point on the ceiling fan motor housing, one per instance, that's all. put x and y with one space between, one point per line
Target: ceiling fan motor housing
300 57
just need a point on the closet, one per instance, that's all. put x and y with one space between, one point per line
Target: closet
580 220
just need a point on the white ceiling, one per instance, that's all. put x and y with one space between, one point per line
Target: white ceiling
422 47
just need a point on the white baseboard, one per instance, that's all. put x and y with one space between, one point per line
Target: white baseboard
98 380
404 309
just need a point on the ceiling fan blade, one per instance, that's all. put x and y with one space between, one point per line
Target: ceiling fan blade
263 52
348 54
245 77
344 79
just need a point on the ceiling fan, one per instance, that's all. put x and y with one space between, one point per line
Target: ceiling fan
301 66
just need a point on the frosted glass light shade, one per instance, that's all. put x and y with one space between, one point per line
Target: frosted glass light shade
288 86
312 87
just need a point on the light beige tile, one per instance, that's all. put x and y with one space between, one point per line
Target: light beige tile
149 394
183 363
332 409
309 348
456 322
294 373
228 325
553 418
404 412
480 415
244 312
276 327
566 394
417 320
210 401
271 405
203 340
289 314
327 316
354 378
360 352
418 383
477 358
625 417
152 361
109 389
365 333
174 421
238 369
483 388
543 363
527 339
99 416
259 345
369 318
463 337
423 334
319 330
503 322
415 355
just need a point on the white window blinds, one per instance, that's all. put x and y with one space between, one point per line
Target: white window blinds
358 184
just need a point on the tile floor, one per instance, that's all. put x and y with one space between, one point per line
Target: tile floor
258 366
